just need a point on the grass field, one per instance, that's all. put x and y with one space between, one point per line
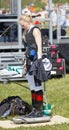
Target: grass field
57 94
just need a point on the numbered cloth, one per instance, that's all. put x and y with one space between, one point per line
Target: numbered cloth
41 68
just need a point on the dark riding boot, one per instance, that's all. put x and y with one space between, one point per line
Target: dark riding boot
33 96
37 103
39 100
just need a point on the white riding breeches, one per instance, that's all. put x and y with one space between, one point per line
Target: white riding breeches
32 83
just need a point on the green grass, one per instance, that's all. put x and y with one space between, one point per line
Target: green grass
57 94
54 127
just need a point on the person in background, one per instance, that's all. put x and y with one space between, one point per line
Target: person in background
33 42
26 10
32 8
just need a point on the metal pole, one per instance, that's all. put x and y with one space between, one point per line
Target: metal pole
58 27
19 27
13 8
45 98
50 22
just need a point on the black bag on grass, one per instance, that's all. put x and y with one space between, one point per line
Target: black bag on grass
14 105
